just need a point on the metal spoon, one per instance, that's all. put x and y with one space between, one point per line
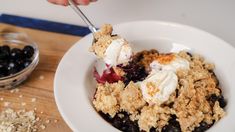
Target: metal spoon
81 14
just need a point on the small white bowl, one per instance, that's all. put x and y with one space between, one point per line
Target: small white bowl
74 86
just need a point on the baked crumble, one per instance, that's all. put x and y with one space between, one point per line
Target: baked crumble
193 104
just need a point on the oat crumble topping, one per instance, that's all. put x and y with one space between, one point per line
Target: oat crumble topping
192 103
103 39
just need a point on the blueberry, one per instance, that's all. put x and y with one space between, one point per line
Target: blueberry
152 129
134 72
222 102
16 54
27 63
126 119
6 49
198 129
170 128
122 123
133 127
213 98
174 122
117 122
3 69
124 128
107 117
189 54
173 125
4 52
28 51
12 68
203 127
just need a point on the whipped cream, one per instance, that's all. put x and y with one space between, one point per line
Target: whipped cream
174 64
118 52
100 66
158 86
162 81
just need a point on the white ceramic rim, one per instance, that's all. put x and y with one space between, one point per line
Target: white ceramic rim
176 25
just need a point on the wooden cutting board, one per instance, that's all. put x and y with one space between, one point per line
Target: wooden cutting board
37 91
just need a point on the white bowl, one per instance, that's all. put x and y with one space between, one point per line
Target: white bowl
74 86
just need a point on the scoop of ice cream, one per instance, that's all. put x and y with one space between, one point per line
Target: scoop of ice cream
158 86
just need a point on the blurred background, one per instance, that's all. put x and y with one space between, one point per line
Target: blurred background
214 16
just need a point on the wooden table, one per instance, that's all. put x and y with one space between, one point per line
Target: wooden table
39 85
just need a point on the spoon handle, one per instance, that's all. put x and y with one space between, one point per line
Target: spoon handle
82 15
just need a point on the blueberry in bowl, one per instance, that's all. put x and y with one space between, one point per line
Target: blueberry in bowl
19 56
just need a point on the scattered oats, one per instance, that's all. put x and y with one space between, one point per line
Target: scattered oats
47 121
55 121
23 103
17 90
21 96
12 91
41 77
42 127
41 112
20 121
33 99
1 99
6 104
35 109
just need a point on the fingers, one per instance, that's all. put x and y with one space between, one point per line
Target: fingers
59 2
65 2
82 2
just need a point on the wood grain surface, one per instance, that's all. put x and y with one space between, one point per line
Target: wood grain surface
39 86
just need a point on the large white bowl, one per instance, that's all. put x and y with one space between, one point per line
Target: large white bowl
74 86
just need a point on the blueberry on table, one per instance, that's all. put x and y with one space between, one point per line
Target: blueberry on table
16 53
28 51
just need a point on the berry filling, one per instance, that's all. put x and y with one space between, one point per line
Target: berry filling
108 76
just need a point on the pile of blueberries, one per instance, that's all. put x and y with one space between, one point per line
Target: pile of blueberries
123 124
134 72
13 60
126 125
